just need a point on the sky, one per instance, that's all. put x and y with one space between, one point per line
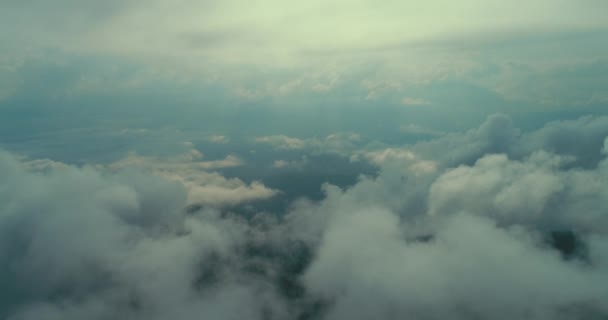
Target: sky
331 160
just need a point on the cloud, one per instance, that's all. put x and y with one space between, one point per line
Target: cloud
204 28
497 186
291 164
382 157
580 138
188 160
342 143
219 139
204 45
534 190
84 243
408 101
282 142
471 268
465 240
497 230
203 187
214 189
465 221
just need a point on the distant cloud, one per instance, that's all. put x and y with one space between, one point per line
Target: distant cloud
138 131
418 129
408 101
339 143
207 188
282 142
219 139
395 155
381 156
291 164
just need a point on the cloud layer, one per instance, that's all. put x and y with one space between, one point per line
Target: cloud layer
504 224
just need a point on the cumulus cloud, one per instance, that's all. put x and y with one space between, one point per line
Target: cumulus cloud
203 187
396 155
221 139
581 139
342 143
496 230
77 243
282 142
496 239
469 269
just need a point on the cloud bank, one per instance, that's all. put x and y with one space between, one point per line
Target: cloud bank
505 224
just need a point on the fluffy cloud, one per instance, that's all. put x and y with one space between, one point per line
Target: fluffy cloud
342 143
88 243
581 139
219 139
203 187
470 268
497 230
468 240
282 142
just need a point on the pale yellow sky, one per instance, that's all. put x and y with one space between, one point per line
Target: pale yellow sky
274 48
287 32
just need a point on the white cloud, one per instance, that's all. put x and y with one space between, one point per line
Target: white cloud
397 155
208 188
187 160
282 142
216 190
465 240
343 143
508 190
472 238
291 164
219 139
119 245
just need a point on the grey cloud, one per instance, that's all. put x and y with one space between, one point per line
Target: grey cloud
407 172
342 143
475 236
531 191
464 242
471 269
495 135
80 243
581 139
204 187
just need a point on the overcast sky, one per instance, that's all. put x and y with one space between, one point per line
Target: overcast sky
273 159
